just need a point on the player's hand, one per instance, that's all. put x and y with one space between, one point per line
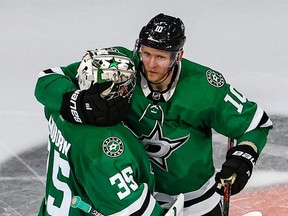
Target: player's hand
88 107
237 168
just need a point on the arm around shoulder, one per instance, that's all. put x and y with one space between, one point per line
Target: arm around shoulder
52 84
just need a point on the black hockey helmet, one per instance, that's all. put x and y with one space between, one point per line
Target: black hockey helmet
163 32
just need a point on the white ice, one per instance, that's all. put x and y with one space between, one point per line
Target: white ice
245 40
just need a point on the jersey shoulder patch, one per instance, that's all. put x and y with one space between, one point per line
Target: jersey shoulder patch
113 147
215 78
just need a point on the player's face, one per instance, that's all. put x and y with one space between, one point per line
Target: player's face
156 63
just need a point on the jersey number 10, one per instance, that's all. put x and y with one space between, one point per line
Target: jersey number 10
241 98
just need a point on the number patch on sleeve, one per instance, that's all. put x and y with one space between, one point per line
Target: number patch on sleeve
125 182
238 104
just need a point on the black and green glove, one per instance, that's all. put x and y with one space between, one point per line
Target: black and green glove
237 168
88 107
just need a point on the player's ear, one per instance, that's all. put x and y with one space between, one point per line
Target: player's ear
180 55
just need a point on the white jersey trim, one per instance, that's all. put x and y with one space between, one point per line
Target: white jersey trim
256 119
203 207
135 206
197 209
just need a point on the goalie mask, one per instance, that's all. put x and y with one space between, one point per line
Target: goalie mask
98 66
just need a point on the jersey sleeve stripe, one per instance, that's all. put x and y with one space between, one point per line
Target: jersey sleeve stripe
265 121
144 205
55 70
260 119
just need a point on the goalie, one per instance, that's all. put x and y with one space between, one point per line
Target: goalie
106 167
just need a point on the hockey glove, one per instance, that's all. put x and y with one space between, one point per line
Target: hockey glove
88 107
237 168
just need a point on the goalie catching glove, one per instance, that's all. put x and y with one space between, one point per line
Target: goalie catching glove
237 168
106 80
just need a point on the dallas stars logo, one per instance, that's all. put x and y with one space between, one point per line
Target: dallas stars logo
215 78
159 148
113 147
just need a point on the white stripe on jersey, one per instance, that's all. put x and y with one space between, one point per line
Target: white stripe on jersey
256 119
200 208
137 205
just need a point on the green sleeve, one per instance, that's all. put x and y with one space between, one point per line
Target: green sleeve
258 136
237 117
122 188
53 83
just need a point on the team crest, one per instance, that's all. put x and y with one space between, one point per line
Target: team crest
159 148
113 147
215 78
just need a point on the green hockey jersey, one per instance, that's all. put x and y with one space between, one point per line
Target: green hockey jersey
176 125
107 167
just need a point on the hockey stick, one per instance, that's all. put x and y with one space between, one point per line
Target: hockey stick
227 191
227 186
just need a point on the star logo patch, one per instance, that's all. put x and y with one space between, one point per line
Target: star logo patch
113 147
215 78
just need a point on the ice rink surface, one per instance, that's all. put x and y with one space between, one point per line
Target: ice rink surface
244 40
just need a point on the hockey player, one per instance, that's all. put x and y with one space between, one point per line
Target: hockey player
175 106
105 167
